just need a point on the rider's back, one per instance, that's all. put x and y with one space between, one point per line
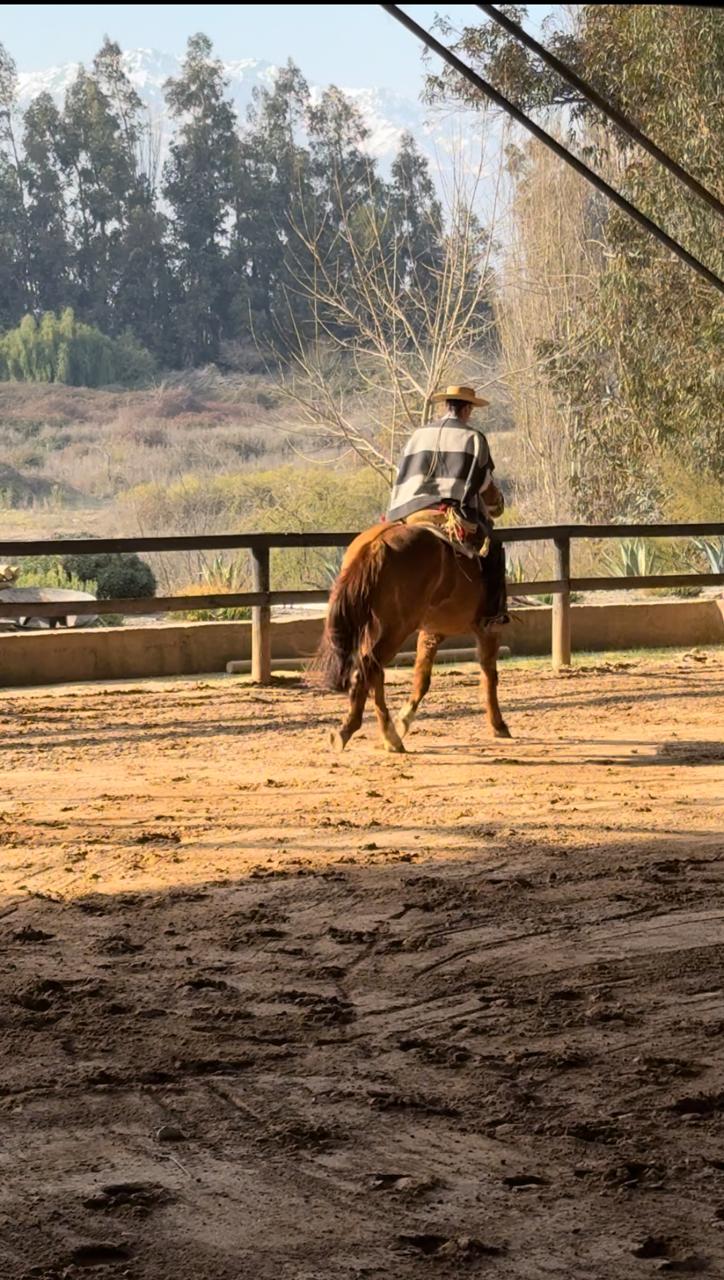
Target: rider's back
447 461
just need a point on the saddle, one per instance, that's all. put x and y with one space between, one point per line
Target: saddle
465 540
462 535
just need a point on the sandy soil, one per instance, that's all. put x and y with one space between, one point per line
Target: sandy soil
269 1014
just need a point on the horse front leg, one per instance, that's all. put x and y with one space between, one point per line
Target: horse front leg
427 646
488 643
358 690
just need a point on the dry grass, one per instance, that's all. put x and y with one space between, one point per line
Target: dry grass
93 445
204 452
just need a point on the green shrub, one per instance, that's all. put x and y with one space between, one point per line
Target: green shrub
134 366
63 349
286 499
83 567
127 578
116 577
46 571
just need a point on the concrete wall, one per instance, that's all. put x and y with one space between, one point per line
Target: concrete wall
190 648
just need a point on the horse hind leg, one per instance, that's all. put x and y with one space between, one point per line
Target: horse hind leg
488 643
369 674
391 740
359 688
427 647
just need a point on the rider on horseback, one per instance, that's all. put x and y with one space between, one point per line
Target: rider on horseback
446 479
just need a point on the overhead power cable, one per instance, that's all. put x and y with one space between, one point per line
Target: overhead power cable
554 145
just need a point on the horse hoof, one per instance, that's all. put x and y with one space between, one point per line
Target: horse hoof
336 741
401 728
502 732
394 748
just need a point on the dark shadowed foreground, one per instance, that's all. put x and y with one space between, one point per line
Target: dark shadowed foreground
269 1014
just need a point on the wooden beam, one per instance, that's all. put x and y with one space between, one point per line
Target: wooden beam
261 619
237 541
561 607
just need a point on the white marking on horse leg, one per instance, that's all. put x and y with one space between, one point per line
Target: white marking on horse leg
405 718
391 740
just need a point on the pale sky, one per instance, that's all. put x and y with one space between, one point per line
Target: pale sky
353 45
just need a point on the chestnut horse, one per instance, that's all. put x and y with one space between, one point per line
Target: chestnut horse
395 579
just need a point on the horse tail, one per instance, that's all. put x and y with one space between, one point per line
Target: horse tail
352 628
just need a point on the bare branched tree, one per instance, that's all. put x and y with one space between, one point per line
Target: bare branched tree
386 330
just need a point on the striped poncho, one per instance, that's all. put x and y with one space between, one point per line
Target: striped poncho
444 461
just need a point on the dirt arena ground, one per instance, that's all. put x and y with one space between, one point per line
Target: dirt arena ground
267 1014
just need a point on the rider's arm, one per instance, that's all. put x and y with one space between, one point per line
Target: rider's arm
490 494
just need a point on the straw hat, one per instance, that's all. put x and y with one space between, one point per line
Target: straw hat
460 393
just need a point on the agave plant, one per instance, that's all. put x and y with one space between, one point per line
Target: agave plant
515 569
220 575
634 558
331 566
232 575
713 549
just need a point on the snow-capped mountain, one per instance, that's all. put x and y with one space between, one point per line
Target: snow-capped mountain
387 114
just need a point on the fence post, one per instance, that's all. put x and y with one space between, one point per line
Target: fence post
561 608
260 619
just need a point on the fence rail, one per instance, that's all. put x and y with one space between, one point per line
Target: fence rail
240 541
262 598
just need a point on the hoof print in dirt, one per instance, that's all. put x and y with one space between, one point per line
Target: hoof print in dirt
393 1101
325 1011
651 1247
353 937
663 1069
634 1173
405 1183
443 1055
458 1247
593 1131
170 1133
155 1076
34 1002
100 1255
523 1181
29 934
119 945
157 837
299 1135
206 984
693 1265
214 1066
135 1197
388 1181
704 1105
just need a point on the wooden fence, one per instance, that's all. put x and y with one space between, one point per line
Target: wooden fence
261 598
